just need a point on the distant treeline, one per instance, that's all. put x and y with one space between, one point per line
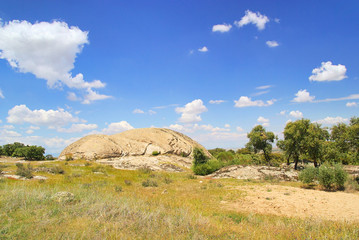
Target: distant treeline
28 152
303 140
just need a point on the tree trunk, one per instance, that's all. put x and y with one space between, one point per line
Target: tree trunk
296 159
315 163
288 159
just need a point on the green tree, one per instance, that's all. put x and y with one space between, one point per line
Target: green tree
294 143
35 153
261 140
199 156
1 151
314 142
9 149
353 136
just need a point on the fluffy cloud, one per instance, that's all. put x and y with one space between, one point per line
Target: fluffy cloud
32 129
52 118
303 96
138 111
1 94
255 18
332 120
191 111
296 114
57 144
80 127
216 101
272 44
221 28
328 72
263 121
203 49
244 101
282 112
117 127
93 96
227 125
47 50
351 104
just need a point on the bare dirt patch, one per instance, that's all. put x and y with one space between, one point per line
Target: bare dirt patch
296 202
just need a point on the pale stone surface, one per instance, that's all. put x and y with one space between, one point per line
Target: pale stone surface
63 197
135 142
255 172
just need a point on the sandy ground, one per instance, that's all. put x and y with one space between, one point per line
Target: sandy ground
298 202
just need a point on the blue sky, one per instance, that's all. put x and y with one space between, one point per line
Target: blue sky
209 69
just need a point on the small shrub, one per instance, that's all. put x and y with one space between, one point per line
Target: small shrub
24 171
49 157
128 182
145 170
41 180
326 177
207 168
155 153
351 185
69 157
57 170
199 156
308 175
167 180
149 183
87 164
101 169
118 188
340 176
191 176
76 175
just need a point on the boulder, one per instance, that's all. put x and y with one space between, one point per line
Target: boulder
135 142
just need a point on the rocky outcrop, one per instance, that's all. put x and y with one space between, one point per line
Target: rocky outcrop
135 142
255 172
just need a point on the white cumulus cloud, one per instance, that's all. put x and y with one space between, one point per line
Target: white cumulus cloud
332 120
303 96
117 127
221 28
203 49
272 44
351 104
245 101
191 111
239 129
254 18
328 72
52 118
46 49
296 114
263 121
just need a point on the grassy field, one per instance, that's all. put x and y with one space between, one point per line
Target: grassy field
116 204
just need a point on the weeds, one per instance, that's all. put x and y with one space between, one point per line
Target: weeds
23 171
149 183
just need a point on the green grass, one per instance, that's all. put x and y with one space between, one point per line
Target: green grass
107 207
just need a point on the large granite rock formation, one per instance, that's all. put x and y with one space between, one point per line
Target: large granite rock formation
141 143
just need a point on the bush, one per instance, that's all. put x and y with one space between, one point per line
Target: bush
308 175
340 176
24 171
57 170
145 170
128 182
225 156
326 176
149 183
207 168
49 157
351 185
69 157
199 156
155 153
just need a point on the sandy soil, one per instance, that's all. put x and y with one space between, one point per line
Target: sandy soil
298 202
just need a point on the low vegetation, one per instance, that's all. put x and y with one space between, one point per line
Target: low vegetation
118 206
